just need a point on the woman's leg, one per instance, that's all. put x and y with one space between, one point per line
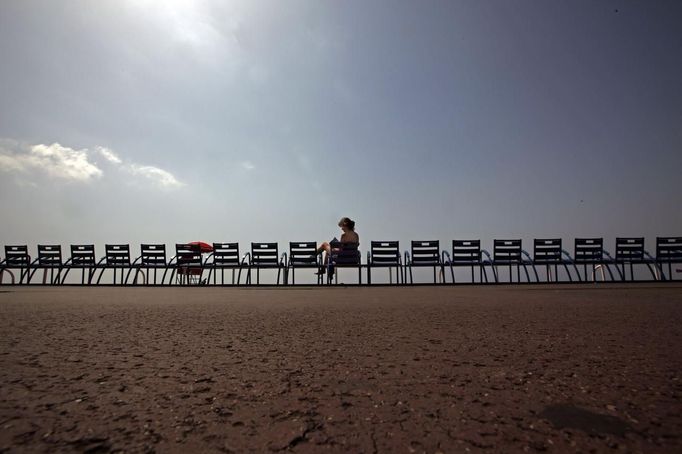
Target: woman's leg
326 249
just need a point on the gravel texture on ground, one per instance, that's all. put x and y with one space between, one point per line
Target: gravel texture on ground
389 370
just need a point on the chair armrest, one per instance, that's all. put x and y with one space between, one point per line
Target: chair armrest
408 260
567 256
244 257
446 254
524 253
487 254
649 256
284 260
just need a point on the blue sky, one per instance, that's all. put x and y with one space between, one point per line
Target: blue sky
145 121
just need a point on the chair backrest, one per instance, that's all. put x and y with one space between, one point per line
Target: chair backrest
507 251
17 256
629 249
188 255
226 254
669 249
117 254
264 254
547 250
466 251
83 254
344 253
425 252
384 253
153 254
49 254
303 253
588 250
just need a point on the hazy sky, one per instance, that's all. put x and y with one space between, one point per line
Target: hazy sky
178 120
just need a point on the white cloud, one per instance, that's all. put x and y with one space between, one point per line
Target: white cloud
55 160
109 155
68 164
247 165
158 176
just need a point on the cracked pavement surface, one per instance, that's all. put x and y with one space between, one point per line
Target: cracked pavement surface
413 370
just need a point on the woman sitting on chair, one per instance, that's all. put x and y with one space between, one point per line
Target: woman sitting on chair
348 236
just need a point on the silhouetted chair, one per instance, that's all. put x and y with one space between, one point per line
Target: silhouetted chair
668 251
152 259
265 256
49 260
630 252
16 258
302 255
550 254
385 254
82 258
589 252
510 253
344 254
225 257
188 264
425 254
467 253
116 258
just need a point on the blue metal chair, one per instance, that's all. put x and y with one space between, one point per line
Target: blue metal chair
116 258
467 253
16 258
225 256
82 258
265 256
385 254
49 260
425 254
302 254
511 254
630 252
152 260
550 254
668 252
187 265
344 254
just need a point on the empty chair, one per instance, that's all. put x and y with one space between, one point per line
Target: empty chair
668 251
467 253
385 254
549 252
425 254
16 258
225 257
116 258
509 253
589 252
49 260
343 254
188 264
82 258
302 255
152 259
630 252
265 256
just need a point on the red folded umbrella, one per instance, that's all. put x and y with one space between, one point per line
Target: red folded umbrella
204 247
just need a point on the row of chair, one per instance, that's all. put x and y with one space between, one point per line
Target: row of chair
191 265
